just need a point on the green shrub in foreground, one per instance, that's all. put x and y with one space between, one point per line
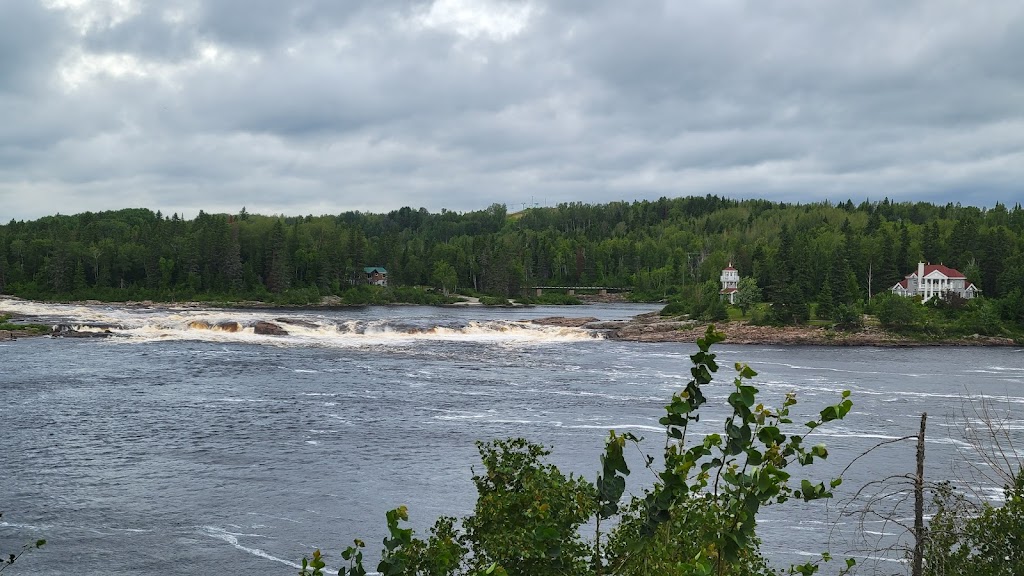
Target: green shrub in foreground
965 541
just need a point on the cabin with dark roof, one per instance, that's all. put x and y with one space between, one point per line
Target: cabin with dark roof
376 275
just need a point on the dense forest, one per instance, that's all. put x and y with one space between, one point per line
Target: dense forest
797 253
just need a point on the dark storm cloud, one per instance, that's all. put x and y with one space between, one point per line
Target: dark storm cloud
314 106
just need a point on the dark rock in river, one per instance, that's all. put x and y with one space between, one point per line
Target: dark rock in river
67 331
297 322
269 329
229 326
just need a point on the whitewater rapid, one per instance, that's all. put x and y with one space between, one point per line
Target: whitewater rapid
134 324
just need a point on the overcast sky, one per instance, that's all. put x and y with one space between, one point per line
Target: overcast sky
323 106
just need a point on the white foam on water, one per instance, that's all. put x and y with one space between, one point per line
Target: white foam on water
596 395
860 435
883 559
274 517
1007 368
488 418
618 427
232 539
129 530
841 370
948 442
23 526
136 325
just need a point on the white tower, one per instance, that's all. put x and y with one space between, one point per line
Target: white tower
730 283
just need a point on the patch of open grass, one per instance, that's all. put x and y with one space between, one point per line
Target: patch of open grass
735 314
33 328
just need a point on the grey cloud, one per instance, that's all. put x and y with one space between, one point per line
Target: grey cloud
316 106
30 39
149 34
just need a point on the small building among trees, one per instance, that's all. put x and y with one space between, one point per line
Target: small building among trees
730 284
376 275
935 280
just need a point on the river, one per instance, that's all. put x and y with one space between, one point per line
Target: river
170 449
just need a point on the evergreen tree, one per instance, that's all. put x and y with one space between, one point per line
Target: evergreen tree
277 277
825 299
790 307
931 243
904 260
231 265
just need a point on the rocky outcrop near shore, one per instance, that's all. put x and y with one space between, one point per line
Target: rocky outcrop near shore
651 327
6 335
609 298
563 321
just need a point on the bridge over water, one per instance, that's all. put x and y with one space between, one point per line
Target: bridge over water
571 290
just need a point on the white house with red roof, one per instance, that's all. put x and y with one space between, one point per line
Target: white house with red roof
935 280
730 283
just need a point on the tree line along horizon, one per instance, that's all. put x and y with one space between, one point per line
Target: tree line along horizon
666 249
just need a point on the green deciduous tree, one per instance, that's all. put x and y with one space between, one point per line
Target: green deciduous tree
748 294
528 514
965 541
897 311
444 276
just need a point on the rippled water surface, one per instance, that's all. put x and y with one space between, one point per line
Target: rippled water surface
172 448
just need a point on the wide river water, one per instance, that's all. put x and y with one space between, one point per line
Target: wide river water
170 449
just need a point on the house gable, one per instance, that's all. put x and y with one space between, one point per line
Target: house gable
934 280
376 275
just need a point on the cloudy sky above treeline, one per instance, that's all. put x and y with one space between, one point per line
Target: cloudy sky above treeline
324 106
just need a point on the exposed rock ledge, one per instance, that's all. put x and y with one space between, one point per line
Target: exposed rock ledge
653 328
562 321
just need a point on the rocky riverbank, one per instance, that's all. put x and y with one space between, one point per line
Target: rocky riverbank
653 328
